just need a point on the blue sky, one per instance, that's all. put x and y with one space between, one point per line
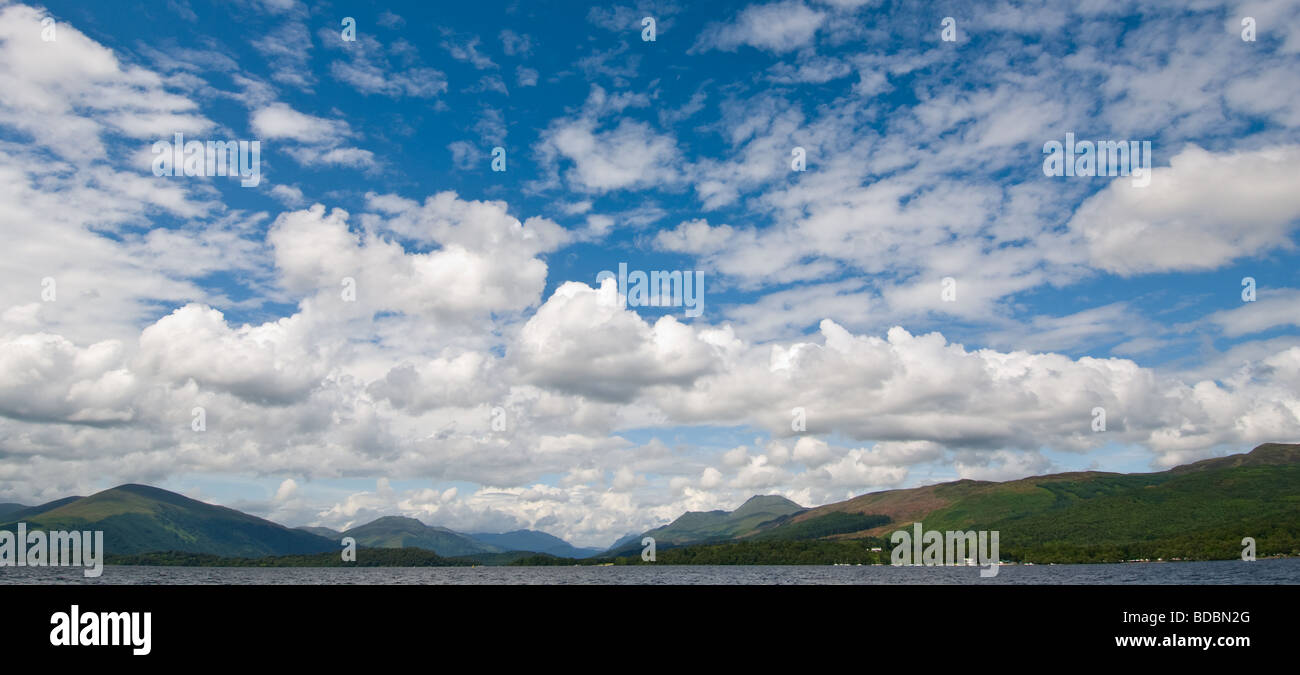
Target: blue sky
476 298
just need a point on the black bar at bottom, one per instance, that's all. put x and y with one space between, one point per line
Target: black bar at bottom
612 627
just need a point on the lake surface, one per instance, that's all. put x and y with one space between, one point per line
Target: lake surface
1278 571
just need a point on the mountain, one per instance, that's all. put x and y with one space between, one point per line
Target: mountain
402 532
1268 454
1197 510
322 532
1207 506
968 502
32 511
625 541
696 527
534 541
139 518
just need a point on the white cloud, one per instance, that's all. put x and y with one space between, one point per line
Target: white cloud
527 77
1202 211
515 44
319 138
278 120
69 95
466 50
45 377
270 363
777 27
628 156
580 341
370 70
827 280
287 49
355 158
812 452
289 195
1272 308
316 252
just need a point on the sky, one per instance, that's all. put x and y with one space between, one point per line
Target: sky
402 309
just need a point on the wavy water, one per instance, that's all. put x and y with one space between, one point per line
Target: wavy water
1278 571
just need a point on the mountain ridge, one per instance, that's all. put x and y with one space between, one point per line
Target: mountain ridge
407 532
696 527
535 541
906 505
1028 503
1084 512
140 518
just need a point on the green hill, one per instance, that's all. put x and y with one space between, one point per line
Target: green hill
139 518
322 532
1196 510
1199 511
816 528
402 532
697 527
24 512
534 541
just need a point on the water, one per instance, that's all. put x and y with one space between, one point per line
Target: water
1277 571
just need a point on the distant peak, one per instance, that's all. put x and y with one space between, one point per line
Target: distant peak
137 487
396 519
150 492
1271 448
766 504
768 500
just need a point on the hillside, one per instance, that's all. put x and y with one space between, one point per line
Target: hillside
535 542
139 518
24 512
402 532
1206 506
322 532
1200 510
697 527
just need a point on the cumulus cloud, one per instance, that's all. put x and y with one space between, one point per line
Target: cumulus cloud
1204 210
268 363
317 252
71 94
397 330
581 341
628 155
45 377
